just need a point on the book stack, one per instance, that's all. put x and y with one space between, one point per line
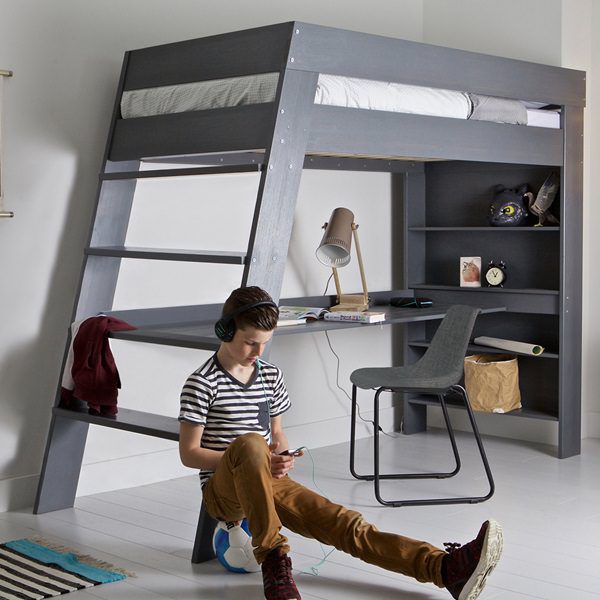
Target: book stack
367 316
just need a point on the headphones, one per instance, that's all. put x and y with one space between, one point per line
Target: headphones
225 326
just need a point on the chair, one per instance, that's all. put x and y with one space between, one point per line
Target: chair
437 372
203 547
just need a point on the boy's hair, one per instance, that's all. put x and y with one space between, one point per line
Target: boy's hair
262 317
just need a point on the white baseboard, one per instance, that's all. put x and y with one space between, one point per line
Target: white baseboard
18 492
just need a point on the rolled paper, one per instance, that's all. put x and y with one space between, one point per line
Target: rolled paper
510 345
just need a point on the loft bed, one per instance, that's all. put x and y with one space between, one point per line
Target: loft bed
277 126
285 97
284 131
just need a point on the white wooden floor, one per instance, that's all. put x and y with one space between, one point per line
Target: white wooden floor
549 509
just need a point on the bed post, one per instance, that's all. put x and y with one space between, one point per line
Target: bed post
571 226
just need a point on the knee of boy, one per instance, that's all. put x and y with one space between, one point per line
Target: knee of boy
251 445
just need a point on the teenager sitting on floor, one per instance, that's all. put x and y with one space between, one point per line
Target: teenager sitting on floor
231 429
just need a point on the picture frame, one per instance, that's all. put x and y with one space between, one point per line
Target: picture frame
470 271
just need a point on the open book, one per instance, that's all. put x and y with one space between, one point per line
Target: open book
309 313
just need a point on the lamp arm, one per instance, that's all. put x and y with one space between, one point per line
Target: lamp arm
360 262
338 287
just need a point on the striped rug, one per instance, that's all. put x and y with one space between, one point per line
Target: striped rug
30 570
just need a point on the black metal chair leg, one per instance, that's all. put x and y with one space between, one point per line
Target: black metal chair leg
353 436
371 477
452 438
377 477
486 464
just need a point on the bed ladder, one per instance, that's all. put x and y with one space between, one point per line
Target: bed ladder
263 265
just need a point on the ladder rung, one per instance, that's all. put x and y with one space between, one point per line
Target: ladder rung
136 421
203 256
158 173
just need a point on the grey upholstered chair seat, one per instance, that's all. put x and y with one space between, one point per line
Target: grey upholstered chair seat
410 378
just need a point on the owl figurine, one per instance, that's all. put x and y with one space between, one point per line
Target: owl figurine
540 207
509 206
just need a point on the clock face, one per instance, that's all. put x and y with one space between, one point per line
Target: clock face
495 276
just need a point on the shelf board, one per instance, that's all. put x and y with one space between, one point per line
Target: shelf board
493 290
183 172
488 229
487 350
200 333
135 421
451 403
176 254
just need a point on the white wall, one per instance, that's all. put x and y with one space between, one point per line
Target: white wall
522 29
582 50
66 56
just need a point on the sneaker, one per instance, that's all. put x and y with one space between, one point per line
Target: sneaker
465 568
277 577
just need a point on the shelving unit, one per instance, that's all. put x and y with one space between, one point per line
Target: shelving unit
442 222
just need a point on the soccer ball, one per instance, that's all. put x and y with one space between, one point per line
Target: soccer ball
233 547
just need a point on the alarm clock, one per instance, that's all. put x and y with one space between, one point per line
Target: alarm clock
495 274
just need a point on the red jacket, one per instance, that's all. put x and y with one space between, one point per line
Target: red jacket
94 372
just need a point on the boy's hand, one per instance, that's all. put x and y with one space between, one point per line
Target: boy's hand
281 464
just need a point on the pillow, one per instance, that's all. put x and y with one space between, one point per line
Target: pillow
499 110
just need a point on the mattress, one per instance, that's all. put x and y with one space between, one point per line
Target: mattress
333 90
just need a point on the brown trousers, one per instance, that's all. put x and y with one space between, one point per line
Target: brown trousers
243 486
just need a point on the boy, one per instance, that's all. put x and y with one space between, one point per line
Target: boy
231 429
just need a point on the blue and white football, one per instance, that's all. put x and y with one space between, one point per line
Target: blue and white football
233 547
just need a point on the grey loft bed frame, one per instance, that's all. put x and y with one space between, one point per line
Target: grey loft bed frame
312 134
280 139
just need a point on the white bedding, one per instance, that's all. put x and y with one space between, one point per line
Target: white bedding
394 97
331 90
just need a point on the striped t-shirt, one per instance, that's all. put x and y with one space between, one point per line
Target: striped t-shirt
228 408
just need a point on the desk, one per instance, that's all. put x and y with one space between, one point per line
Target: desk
193 327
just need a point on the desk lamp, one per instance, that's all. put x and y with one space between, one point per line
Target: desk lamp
334 252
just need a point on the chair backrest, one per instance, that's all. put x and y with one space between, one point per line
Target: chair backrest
446 353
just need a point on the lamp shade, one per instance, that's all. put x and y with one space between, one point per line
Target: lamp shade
334 249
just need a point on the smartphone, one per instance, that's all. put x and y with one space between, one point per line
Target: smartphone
296 452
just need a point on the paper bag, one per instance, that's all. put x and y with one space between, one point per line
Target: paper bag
492 382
